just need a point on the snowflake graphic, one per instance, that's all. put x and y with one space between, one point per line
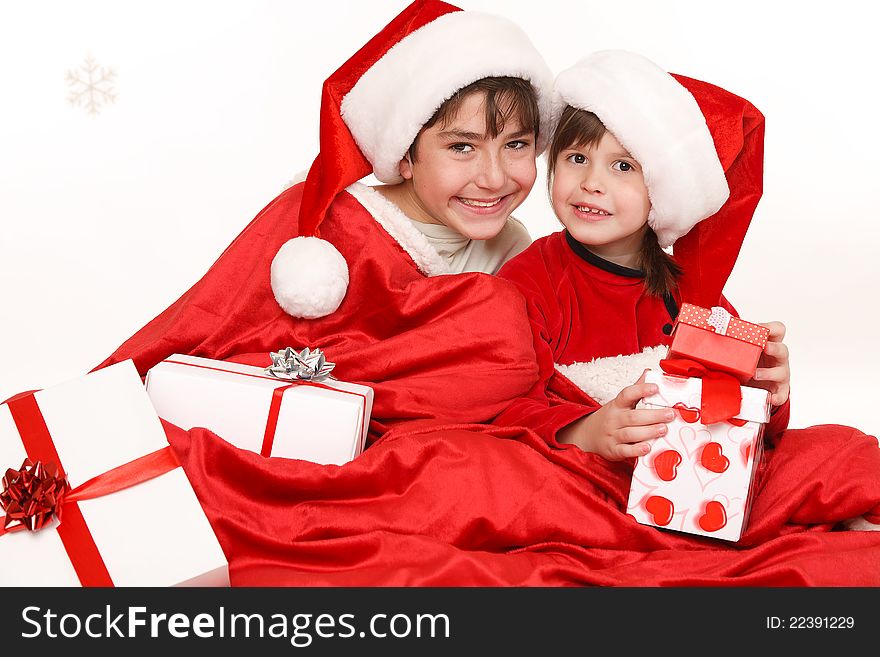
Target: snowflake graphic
91 86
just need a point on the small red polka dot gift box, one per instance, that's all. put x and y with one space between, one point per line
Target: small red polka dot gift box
699 478
714 337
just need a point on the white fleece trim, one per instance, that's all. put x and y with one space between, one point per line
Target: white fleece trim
659 122
396 96
860 524
603 378
298 178
400 227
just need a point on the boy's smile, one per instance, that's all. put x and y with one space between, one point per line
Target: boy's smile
463 178
599 195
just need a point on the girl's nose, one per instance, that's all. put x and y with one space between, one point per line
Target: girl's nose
592 181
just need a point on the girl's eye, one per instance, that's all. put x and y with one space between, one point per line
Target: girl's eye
462 148
518 144
623 166
577 158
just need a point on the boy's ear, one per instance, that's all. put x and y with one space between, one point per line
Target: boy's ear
405 168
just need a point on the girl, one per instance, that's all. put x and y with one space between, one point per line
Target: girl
640 160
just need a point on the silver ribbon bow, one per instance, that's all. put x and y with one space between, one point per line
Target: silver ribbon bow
305 365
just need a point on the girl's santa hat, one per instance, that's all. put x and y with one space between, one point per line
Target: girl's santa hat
372 109
701 150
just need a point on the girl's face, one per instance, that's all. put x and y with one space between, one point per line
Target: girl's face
466 180
599 195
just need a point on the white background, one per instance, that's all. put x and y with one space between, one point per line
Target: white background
107 219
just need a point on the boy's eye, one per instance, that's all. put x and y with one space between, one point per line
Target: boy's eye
577 158
519 144
462 148
623 166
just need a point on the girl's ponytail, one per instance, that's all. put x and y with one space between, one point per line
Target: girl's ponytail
661 271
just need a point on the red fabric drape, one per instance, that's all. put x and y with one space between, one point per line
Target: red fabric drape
472 505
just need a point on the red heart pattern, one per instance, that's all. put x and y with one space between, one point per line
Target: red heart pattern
660 508
735 421
666 464
688 414
745 449
714 517
712 458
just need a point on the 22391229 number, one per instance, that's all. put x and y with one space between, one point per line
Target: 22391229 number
811 623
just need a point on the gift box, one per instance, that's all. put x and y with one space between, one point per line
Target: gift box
322 421
718 340
143 525
699 478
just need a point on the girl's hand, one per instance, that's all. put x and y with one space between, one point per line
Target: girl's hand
618 430
773 372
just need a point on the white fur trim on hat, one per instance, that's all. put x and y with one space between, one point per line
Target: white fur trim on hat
659 122
309 277
603 378
396 96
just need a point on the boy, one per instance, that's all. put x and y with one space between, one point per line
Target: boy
367 292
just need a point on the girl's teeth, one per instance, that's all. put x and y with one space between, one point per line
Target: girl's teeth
479 204
592 210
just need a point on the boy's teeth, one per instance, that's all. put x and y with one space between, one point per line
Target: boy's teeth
479 204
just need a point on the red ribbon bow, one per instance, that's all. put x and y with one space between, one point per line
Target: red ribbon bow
31 495
721 398
39 490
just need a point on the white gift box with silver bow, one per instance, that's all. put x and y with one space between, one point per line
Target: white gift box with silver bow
323 421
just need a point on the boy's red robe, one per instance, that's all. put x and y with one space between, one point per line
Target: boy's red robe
464 504
487 506
444 348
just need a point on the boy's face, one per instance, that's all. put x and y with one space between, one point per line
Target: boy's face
466 180
599 195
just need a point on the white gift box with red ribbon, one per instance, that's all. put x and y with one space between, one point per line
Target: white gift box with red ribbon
324 421
152 533
699 478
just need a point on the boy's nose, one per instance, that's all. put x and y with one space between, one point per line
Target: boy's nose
492 173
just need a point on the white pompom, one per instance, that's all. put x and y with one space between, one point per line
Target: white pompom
309 277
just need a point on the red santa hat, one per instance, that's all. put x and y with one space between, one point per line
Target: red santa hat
701 149
372 109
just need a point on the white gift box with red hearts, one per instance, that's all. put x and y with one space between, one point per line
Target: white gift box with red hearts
324 422
699 478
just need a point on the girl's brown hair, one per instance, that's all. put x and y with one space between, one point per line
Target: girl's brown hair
506 99
581 129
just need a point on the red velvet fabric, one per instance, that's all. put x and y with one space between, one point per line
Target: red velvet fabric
709 250
448 348
464 505
488 506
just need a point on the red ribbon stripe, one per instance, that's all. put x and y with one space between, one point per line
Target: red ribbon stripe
277 398
73 531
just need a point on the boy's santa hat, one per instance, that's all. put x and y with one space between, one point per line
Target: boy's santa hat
372 109
701 149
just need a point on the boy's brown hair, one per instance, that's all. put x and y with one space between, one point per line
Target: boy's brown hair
507 98
580 129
